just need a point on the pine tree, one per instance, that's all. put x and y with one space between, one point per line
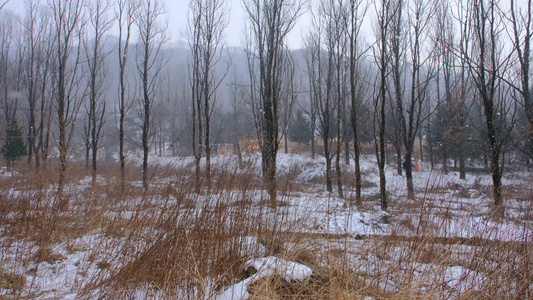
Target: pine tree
14 147
300 130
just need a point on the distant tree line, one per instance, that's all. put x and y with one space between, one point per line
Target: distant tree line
450 79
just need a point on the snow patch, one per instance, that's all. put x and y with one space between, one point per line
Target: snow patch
265 266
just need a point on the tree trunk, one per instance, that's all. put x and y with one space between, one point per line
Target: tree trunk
145 131
345 132
62 203
421 145
338 171
327 155
496 179
398 146
197 174
409 174
382 146
94 158
445 164
270 178
207 144
383 189
121 153
462 167
313 147
383 20
31 130
87 154
347 149
358 181
286 142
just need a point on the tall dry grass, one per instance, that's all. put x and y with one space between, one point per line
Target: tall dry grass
168 242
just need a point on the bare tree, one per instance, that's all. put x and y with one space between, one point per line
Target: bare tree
522 31
289 96
8 65
35 27
398 47
46 81
196 91
322 76
409 109
207 21
449 116
125 15
420 14
68 22
483 53
151 38
95 56
236 100
385 13
310 63
328 81
356 13
338 32
254 102
271 21
178 92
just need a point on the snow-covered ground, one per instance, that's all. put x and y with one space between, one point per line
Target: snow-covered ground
446 208
459 207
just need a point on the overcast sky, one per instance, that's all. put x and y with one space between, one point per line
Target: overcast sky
177 20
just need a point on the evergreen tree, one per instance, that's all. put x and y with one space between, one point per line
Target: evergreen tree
300 130
452 136
14 147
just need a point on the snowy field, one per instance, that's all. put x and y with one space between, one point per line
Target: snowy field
171 243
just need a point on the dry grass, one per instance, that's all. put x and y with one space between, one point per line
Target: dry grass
10 281
173 243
